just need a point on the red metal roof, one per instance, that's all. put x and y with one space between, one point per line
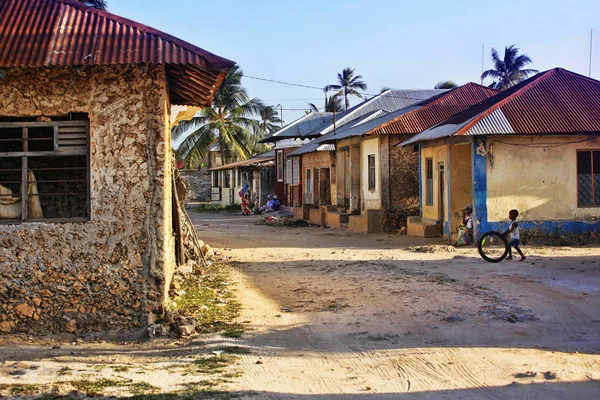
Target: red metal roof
64 32
436 109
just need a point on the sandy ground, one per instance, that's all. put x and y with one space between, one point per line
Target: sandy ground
341 315
338 315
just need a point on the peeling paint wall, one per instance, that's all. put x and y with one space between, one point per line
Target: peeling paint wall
112 271
540 182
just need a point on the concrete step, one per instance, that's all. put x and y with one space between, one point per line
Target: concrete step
344 226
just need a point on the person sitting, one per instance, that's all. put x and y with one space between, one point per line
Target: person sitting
272 204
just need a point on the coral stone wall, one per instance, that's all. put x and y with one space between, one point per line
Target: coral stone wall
399 181
110 272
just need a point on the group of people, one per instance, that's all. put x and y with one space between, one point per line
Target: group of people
465 236
273 203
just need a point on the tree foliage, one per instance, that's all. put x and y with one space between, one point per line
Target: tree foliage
229 121
509 70
445 85
348 85
99 4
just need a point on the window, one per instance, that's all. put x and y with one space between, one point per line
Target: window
44 171
588 178
308 181
215 178
429 181
288 171
280 165
295 170
371 162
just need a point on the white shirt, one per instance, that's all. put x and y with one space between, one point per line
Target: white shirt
515 232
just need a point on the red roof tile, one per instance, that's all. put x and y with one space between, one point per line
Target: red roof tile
64 32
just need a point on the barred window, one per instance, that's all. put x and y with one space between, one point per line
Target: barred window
44 171
371 162
308 181
280 165
588 178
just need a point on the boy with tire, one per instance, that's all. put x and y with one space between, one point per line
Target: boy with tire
513 230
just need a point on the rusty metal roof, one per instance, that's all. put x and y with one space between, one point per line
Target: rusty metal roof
556 101
64 32
431 111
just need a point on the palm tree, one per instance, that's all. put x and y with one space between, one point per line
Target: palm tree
99 4
348 84
332 103
269 120
228 121
445 85
508 71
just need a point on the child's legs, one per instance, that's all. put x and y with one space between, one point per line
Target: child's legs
515 243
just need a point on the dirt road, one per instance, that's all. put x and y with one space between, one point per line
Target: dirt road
340 315
336 315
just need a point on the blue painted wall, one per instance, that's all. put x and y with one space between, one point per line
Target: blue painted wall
479 187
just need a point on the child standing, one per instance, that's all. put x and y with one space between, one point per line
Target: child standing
513 230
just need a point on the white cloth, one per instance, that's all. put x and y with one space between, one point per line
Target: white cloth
515 230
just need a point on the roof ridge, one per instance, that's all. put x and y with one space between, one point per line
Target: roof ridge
218 61
527 84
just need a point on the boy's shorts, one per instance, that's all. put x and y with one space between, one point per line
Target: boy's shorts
514 243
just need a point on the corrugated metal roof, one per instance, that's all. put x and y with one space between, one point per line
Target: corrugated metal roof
300 127
64 32
341 133
429 112
257 159
556 101
389 100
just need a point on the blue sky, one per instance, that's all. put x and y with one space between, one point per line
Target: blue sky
395 43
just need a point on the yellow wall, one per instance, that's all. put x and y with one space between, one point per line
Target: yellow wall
439 154
539 182
461 181
371 198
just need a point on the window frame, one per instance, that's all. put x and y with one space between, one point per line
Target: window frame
371 171
25 155
595 202
308 180
429 181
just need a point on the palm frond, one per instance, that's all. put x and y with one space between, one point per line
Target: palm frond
99 4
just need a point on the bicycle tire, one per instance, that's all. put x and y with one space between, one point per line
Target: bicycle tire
480 244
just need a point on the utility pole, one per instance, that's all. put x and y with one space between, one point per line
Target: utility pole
591 39
281 114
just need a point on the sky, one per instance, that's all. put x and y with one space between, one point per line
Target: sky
391 43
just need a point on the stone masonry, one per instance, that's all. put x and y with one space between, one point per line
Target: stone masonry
112 271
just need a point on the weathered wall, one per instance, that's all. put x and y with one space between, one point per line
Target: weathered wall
461 181
348 172
199 183
371 198
399 181
320 159
439 155
112 271
540 182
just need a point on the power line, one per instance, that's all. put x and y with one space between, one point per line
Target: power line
283 83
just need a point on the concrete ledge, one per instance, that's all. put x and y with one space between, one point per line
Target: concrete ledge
317 216
335 219
369 222
422 227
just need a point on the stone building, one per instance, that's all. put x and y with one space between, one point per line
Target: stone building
87 210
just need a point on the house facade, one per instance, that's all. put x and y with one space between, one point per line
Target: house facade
534 147
86 184
258 172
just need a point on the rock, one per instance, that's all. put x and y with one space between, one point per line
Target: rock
6 326
259 362
207 251
71 326
37 301
187 330
24 310
156 330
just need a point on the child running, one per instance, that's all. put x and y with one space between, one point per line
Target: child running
513 230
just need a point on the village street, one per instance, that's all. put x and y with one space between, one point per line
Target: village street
333 314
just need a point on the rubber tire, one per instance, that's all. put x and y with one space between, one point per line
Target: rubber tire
482 254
